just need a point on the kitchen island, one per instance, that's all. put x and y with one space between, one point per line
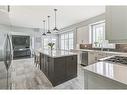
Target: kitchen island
58 66
105 75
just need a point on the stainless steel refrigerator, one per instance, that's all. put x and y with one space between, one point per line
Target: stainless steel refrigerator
6 52
5 63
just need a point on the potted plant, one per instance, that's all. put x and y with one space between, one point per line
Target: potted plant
51 45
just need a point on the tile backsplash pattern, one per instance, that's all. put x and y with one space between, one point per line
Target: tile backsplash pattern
118 47
85 46
121 47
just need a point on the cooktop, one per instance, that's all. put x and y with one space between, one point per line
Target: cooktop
117 59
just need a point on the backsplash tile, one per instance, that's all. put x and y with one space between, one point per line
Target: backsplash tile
85 46
118 47
121 47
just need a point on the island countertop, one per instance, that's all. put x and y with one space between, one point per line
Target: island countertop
110 52
114 71
56 53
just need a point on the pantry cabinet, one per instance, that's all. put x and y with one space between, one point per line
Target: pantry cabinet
116 24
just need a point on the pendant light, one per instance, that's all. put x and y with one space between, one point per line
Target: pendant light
55 28
49 32
8 8
44 34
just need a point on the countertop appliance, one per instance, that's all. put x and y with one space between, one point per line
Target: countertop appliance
84 58
117 59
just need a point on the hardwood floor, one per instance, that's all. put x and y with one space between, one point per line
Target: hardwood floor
26 76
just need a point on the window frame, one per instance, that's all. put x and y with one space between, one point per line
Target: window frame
66 39
105 43
92 26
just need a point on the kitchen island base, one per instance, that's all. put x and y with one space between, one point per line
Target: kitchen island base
58 69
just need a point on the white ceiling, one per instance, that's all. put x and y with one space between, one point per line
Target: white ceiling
33 16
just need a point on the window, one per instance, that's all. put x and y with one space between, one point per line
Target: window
70 40
49 39
98 36
46 43
66 41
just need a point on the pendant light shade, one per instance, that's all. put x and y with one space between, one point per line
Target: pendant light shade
55 28
49 32
44 34
8 8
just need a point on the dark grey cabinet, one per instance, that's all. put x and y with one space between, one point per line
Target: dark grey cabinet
50 68
71 66
59 69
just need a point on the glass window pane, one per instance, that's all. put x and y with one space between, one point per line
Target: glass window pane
70 43
67 41
66 44
66 36
54 41
62 36
71 35
46 43
62 44
98 35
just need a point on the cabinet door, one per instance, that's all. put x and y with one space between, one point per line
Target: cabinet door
91 58
46 66
71 65
116 23
100 55
59 69
50 68
42 62
111 54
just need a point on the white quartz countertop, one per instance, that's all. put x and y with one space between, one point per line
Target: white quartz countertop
113 52
114 71
56 53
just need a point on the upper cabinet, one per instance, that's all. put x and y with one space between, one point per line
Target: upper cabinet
116 24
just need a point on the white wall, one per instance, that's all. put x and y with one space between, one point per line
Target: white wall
83 35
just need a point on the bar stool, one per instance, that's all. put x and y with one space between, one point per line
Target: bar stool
37 59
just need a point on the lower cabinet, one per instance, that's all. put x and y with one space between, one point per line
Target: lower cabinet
93 57
71 66
59 69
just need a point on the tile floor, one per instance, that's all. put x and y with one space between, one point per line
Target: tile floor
26 76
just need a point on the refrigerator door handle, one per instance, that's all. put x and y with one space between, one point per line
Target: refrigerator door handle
8 52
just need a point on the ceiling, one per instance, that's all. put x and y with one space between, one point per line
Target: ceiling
33 16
